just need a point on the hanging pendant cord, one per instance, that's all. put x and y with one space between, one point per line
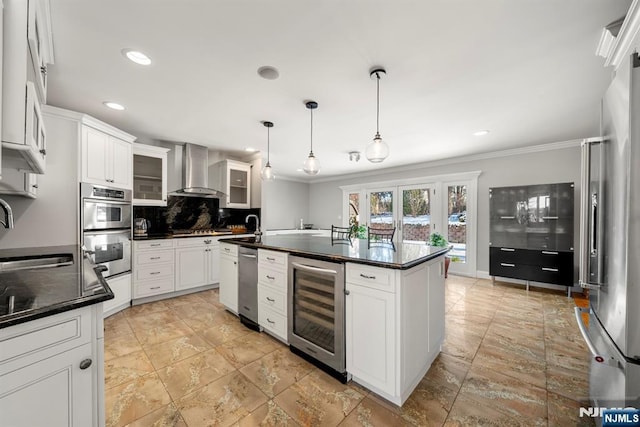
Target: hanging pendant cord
378 104
268 145
311 152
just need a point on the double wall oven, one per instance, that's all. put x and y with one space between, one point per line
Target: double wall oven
106 227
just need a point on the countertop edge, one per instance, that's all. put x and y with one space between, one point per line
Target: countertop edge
327 257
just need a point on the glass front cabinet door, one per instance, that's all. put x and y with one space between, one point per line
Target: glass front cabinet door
149 175
235 180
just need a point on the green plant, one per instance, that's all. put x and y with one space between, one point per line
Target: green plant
455 259
436 239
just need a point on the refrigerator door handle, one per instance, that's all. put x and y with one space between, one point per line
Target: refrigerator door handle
607 359
588 216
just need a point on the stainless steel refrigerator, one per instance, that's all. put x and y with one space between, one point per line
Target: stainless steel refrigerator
610 244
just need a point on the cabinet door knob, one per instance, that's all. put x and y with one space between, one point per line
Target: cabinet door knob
43 70
43 152
85 363
35 185
347 292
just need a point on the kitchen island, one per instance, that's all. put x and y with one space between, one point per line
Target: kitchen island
390 316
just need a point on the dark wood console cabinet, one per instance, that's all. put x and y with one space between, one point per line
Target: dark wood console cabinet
531 233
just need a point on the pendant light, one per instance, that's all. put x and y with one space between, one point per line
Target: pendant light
377 150
267 171
312 164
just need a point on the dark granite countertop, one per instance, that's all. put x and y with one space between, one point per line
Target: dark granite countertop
403 256
42 292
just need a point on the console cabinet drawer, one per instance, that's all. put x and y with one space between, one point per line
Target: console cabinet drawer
229 249
372 277
272 277
277 301
272 322
153 287
154 271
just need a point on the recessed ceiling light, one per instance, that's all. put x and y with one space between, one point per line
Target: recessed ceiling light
114 105
136 56
299 170
481 132
268 72
250 149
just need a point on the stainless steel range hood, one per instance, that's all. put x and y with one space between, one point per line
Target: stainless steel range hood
195 173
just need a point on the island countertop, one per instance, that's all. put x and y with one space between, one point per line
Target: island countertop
402 256
34 293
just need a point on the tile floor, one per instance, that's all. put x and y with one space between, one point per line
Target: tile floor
510 358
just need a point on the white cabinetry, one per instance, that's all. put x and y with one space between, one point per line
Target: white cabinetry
229 276
27 48
153 268
196 262
121 287
106 157
234 179
149 175
272 292
19 183
394 325
56 364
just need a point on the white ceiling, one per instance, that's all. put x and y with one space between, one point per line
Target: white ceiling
524 69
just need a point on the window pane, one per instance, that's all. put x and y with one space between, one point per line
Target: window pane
416 215
381 209
457 223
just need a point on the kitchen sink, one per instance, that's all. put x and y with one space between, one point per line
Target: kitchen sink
30 262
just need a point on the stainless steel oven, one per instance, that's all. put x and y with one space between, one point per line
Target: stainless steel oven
316 313
106 227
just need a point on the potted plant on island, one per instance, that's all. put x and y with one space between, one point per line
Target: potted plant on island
437 239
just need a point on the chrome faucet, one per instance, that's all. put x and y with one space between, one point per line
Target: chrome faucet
8 214
246 220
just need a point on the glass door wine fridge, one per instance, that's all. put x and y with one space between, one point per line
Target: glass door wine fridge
316 313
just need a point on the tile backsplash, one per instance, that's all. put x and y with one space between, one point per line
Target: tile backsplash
183 213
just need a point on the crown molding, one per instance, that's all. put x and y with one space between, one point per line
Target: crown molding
626 36
455 160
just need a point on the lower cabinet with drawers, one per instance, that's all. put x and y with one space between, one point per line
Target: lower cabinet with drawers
52 370
164 267
545 266
272 292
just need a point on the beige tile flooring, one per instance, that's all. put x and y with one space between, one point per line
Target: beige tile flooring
510 357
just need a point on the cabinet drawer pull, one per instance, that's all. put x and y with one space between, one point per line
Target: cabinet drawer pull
549 217
505 264
155 244
85 363
153 288
271 321
154 272
270 299
270 277
507 250
549 253
554 270
155 257
270 259
507 217
364 276
207 241
227 250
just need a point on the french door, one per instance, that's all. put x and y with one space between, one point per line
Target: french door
418 207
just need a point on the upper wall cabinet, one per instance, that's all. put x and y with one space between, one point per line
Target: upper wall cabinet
106 157
27 49
234 179
149 175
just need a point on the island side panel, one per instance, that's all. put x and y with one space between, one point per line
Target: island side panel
422 320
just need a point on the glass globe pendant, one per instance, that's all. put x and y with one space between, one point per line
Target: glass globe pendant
311 164
267 172
377 150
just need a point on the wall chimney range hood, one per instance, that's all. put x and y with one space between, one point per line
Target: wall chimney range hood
195 173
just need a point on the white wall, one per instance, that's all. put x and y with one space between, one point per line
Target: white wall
284 203
52 218
557 165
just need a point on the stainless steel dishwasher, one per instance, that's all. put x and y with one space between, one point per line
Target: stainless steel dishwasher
248 287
